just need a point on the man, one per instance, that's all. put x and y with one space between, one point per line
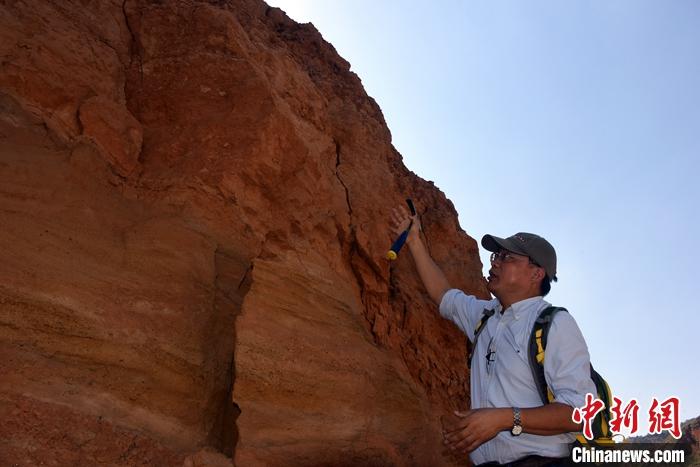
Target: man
507 423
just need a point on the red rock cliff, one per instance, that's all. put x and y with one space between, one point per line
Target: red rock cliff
194 201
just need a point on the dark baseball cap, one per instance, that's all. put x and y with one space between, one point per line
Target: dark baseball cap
523 243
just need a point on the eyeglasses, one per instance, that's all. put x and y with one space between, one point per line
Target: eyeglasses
505 256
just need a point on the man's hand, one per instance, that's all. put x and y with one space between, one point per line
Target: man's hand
475 427
401 219
432 276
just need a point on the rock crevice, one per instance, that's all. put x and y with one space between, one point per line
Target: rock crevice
193 260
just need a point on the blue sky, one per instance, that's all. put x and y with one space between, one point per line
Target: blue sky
577 120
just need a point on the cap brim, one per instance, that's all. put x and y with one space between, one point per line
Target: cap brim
493 243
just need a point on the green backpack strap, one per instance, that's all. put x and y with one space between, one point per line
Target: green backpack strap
538 345
479 327
601 422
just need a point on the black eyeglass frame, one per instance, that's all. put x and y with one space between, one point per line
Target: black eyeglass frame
499 255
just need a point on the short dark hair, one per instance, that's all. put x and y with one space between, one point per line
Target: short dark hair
545 285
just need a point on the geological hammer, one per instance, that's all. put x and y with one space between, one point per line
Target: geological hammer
393 252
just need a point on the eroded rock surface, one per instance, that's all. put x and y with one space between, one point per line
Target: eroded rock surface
194 201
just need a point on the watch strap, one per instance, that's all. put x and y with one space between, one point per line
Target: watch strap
517 422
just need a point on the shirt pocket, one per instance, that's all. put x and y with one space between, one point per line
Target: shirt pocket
517 339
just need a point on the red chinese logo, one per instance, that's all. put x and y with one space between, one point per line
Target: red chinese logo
664 417
587 413
626 417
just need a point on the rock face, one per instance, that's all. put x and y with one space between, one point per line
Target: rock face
194 201
689 440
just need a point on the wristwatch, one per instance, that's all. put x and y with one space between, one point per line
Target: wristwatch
517 424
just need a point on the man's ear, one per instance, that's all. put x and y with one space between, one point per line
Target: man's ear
538 275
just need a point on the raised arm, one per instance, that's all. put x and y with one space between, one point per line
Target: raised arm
432 276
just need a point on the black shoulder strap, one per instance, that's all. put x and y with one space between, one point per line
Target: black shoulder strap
479 327
538 345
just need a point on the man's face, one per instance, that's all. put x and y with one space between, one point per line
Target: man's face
510 273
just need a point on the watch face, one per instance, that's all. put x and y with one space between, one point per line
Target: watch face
517 429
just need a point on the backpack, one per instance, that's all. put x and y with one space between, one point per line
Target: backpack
536 353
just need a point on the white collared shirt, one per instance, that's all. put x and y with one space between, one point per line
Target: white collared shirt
507 381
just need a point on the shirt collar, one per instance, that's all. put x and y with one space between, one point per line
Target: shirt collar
523 306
